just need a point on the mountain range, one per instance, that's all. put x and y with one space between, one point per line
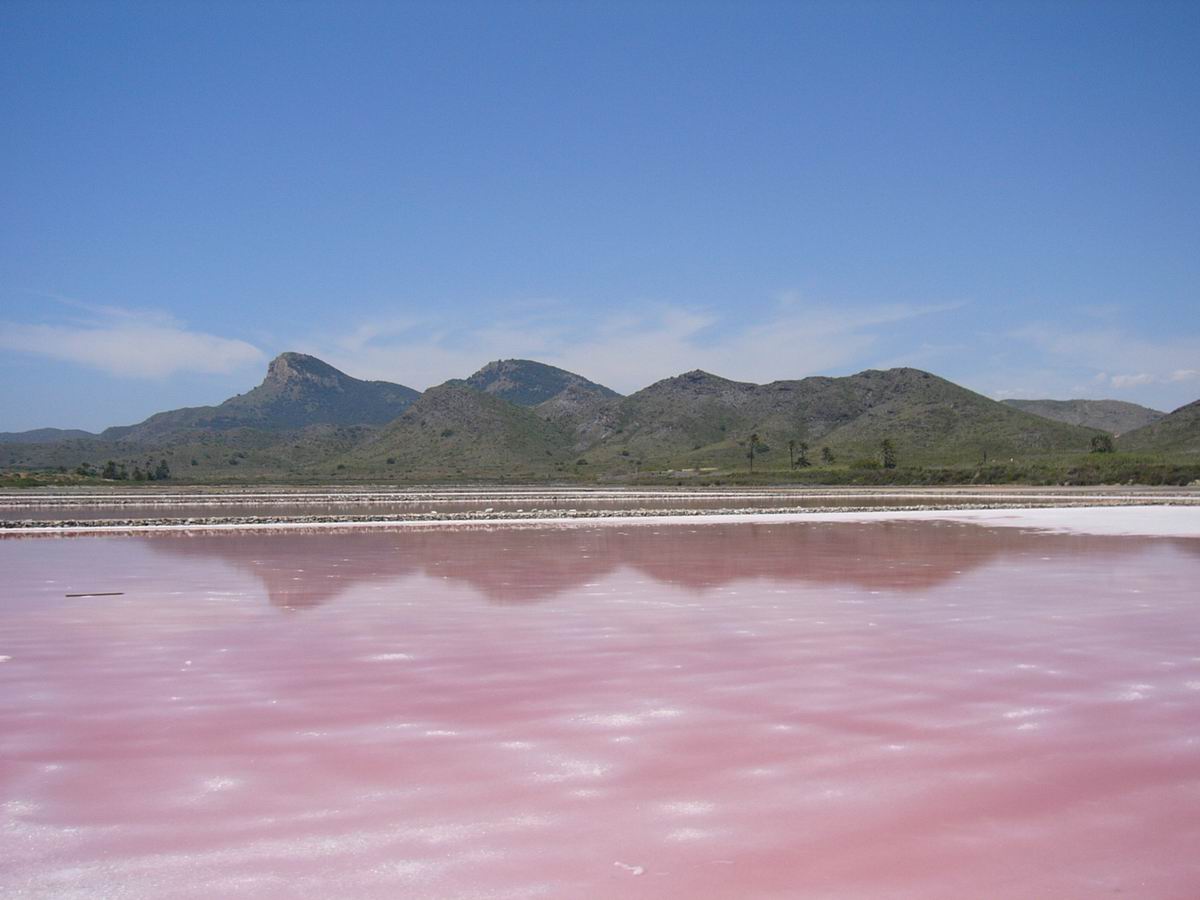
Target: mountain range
299 391
520 419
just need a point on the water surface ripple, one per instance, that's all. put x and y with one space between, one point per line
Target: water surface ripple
850 709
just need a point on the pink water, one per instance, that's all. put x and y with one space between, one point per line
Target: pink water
901 710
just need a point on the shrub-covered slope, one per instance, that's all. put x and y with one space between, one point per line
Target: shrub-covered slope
1176 432
298 391
1114 416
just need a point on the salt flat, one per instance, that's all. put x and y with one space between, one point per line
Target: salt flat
86 512
1150 521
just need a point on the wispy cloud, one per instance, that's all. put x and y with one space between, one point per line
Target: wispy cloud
1118 359
129 343
626 350
1060 361
1128 381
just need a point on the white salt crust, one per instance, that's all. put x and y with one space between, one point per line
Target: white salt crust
1146 521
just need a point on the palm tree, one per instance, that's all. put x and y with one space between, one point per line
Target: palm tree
888 451
792 454
754 442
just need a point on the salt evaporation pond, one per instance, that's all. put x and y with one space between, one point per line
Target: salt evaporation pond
850 709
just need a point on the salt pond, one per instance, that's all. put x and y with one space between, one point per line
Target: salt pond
850 708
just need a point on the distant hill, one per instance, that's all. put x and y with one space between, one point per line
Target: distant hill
528 383
1114 416
43 435
456 430
1176 432
707 420
299 391
555 394
519 419
671 417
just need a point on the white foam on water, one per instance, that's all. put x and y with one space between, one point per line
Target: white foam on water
760 772
405 868
688 834
570 769
664 713
390 657
1025 712
625 719
609 720
220 783
687 807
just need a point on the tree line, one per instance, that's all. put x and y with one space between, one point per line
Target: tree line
798 453
114 471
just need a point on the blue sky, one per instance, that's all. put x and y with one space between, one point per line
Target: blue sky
1005 194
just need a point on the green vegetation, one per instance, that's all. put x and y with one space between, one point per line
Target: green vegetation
902 426
454 431
887 453
299 391
528 383
798 455
1076 469
1113 416
1178 432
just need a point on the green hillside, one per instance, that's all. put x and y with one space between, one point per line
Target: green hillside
297 392
43 435
699 419
1114 416
528 383
521 420
457 431
1177 432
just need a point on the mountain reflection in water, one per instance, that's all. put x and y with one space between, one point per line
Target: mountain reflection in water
507 565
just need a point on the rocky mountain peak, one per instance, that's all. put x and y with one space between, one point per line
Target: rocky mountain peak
296 368
526 382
